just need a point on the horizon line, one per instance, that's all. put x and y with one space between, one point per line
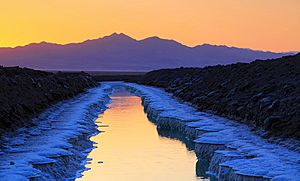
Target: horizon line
139 40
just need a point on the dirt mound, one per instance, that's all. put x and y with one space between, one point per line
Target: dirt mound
264 93
25 92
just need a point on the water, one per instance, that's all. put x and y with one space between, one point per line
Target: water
130 148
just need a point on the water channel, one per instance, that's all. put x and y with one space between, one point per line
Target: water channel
131 148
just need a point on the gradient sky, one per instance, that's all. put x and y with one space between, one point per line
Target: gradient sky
257 24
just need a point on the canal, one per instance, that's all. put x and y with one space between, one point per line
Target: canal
129 147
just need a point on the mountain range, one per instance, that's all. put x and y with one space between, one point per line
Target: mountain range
120 52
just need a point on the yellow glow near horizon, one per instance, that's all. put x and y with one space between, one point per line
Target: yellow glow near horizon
258 24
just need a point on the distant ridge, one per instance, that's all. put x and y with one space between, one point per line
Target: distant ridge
123 53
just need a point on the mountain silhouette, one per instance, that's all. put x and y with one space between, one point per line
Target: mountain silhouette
122 53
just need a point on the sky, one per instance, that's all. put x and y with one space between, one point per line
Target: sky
271 25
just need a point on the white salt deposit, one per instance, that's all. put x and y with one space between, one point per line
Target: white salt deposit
41 144
250 155
245 154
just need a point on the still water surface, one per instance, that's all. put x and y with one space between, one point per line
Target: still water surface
130 148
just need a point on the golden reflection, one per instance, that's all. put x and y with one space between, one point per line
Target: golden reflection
131 149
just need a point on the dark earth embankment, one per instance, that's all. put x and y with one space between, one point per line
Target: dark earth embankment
25 92
264 93
117 76
126 78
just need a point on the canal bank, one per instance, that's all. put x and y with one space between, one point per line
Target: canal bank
226 150
233 151
57 148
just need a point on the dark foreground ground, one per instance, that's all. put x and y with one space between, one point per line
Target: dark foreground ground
264 93
24 93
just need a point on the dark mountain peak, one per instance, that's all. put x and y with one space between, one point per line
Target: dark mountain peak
206 45
121 52
42 44
117 36
209 47
152 38
160 41
113 39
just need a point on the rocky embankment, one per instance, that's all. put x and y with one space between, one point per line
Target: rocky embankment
264 93
226 149
25 92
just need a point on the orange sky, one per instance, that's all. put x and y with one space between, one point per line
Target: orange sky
258 24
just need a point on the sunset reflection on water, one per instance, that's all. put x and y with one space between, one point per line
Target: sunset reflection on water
131 149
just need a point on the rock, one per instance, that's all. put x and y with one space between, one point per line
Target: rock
257 97
288 89
275 105
212 93
271 121
265 102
